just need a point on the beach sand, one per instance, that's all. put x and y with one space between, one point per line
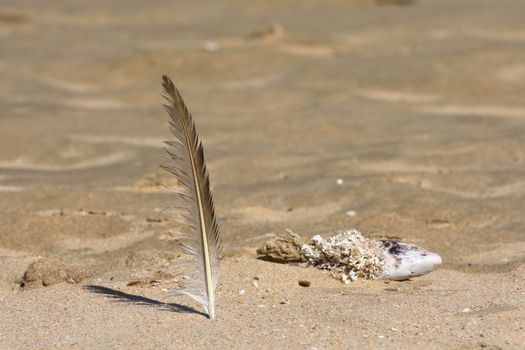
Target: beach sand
409 114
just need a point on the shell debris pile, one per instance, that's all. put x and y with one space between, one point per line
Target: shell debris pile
348 256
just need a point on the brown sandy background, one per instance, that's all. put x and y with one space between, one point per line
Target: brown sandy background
418 106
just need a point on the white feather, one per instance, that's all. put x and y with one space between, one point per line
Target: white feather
200 238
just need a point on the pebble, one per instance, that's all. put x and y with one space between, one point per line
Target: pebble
304 283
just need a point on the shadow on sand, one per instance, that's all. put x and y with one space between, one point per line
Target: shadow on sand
140 300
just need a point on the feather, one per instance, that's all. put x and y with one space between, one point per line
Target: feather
200 238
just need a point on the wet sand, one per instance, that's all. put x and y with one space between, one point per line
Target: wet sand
417 106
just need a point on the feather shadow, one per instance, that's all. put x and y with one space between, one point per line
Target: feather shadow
123 297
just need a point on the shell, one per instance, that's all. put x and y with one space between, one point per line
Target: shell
403 260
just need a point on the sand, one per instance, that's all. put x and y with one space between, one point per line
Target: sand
407 114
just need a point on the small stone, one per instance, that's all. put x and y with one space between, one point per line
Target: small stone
339 181
304 283
284 248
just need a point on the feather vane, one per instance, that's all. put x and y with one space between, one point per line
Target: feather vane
200 237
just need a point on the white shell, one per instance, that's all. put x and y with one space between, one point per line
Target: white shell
403 260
